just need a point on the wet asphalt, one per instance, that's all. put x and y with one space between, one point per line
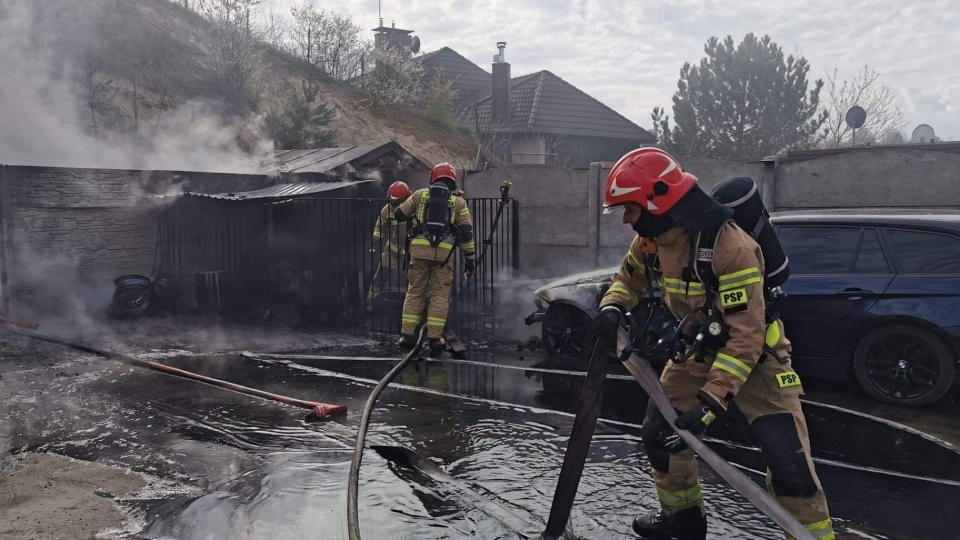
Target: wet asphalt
496 423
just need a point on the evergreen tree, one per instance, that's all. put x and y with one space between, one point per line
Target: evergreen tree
742 102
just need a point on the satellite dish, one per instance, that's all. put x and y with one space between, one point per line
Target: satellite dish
923 134
856 117
415 44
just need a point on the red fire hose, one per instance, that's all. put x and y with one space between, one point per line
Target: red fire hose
320 411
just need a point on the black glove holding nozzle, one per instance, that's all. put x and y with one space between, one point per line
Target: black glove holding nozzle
607 322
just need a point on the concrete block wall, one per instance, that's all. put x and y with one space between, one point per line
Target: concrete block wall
70 232
73 230
563 231
562 227
555 223
883 177
711 171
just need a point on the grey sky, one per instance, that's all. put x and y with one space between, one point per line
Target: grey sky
629 54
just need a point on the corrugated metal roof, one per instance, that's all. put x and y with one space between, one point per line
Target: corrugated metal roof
323 160
349 161
283 191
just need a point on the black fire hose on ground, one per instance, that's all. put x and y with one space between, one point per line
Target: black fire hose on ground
353 485
575 457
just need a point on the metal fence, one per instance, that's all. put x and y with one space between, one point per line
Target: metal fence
322 261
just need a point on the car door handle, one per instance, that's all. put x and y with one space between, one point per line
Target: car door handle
853 293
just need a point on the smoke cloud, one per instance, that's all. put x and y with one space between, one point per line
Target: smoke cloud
45 117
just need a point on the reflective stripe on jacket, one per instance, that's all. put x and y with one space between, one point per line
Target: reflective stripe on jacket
420 248
738 264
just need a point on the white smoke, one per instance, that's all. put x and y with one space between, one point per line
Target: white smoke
43 121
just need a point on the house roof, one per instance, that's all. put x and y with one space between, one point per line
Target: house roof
469 80
542 102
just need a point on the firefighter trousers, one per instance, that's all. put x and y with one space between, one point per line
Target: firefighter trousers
427 277
385 278
770 401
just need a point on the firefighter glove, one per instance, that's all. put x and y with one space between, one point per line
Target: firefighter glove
469 267
697 419
607 322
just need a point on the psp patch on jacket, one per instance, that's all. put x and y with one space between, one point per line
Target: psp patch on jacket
734 297
788 379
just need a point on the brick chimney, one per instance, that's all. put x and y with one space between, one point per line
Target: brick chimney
501 85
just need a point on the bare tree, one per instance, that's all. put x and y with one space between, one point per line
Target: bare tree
195 5
885 120
234 41
330 41
395 78
274 28
100 90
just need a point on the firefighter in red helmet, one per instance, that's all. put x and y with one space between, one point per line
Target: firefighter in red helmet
389 240
441 222
747 363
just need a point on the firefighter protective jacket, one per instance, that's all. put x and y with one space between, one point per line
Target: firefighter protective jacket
390 236
738 265
415 207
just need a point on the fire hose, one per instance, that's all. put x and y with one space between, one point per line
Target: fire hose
591 394
318 411
353 481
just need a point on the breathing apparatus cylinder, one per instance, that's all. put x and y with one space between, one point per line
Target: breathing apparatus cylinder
741 195
437 215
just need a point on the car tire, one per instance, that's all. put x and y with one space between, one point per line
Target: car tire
904 364
565 329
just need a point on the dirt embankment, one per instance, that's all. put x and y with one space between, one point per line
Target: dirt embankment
356 123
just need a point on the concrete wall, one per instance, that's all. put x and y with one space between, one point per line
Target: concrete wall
67 233
711 171
893 178
554 217
562 229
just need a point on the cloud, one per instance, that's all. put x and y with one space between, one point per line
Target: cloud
629 55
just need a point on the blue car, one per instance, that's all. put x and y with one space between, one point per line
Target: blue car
871 297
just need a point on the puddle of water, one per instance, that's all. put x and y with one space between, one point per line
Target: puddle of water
266 474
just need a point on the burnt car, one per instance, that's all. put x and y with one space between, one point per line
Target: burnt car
874 298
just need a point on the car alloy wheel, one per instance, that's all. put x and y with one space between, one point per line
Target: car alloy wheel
565 330
904 364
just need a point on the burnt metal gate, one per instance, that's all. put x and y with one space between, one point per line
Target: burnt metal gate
321 260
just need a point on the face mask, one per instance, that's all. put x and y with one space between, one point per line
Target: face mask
649 225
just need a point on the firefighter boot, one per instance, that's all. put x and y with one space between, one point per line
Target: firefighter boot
407 342
436 347
687 524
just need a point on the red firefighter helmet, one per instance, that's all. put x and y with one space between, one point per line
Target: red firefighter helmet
398 191
649 177
443 170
